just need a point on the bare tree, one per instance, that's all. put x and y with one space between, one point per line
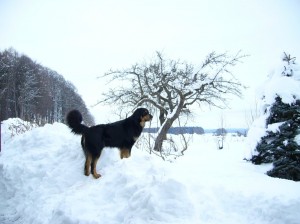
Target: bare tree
172 86
28 90
221 132
253 113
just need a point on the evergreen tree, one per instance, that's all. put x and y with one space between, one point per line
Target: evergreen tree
280 144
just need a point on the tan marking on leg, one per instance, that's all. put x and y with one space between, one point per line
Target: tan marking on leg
87 165
94 172
124 153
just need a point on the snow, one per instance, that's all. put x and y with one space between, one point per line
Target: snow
42 181
14 126
297 138
281 85
255 133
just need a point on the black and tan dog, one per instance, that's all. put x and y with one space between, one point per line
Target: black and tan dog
121 134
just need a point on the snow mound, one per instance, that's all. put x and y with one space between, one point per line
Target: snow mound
283 82
42 181
42 174
282 86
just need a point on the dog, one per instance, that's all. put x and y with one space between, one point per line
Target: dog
121 134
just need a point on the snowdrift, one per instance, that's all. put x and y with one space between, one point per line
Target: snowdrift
42 181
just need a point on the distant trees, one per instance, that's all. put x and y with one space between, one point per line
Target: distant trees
35 93
220 132
172 86
179 130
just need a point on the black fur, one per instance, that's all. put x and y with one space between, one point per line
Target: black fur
121 134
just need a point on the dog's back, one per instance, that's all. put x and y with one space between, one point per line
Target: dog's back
121 134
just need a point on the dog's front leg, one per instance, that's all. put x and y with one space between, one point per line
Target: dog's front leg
125 153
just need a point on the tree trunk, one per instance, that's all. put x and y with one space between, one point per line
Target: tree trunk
166 126
161 116
162 119
162 134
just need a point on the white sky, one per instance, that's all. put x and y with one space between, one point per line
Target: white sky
83 39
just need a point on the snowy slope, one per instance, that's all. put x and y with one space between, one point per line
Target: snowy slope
42 181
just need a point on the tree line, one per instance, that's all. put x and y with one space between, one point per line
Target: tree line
179 130
36 93
200 131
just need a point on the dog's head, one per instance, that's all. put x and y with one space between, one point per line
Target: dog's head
143 115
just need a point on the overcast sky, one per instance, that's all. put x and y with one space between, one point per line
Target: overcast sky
83 39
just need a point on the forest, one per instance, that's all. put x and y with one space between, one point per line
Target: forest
36 93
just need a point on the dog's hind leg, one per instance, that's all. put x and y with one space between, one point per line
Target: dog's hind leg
88 156
94 165
125 153
88 161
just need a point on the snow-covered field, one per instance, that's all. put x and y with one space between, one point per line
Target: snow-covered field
42 181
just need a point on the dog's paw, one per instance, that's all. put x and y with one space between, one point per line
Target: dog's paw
87 172
96 175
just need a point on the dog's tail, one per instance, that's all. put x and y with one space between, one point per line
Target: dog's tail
74 119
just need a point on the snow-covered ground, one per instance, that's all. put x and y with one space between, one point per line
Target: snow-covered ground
42 181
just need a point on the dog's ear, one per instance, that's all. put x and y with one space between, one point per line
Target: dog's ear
137 114
140 112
